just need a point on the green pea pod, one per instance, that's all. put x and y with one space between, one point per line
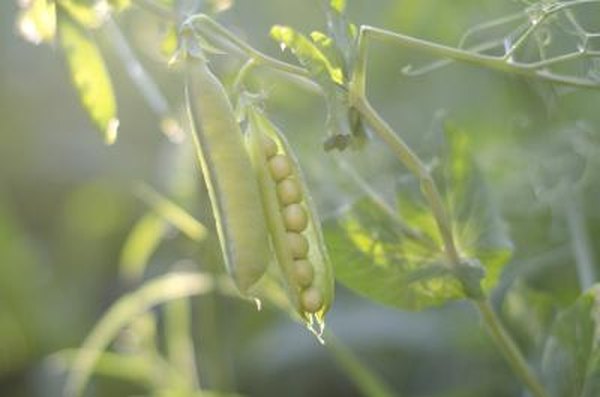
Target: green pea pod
229 176
308 275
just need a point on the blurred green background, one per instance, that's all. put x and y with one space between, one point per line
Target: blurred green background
67 204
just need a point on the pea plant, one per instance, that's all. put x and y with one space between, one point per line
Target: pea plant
446 239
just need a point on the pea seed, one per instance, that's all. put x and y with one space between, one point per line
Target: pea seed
269 146
288 192
303 273
294 218
280 167
298 245
311 300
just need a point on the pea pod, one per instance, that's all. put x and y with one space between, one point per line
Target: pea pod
292 220
229 177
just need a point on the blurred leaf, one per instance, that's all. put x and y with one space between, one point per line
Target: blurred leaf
89 13
308 55
372 257
90 76
125 310
172 213
338 5
37 22
530 312
170 42
571 359
328 47
140 244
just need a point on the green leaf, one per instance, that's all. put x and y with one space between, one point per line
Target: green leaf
90 76
373 256
37 21
308 55
479 230
571 359
396 257
328 47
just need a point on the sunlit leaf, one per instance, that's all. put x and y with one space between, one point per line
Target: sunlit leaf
571 359
307 53
373 257
338 5
20 304
119 5
377 257
90 77
217 6
169 42
479 229
88 13
172 213
140 244
37 22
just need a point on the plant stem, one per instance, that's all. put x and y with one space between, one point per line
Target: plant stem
580 242
366 381
179 343
509 348
358 99
433 197
429 189
470 57
416 166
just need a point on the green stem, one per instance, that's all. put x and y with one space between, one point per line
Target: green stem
429 189
431 193
180 346
469 57
509 348
580 242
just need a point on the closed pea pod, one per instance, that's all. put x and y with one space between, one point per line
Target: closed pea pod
293 224
229 176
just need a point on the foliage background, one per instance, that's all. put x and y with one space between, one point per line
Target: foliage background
67 204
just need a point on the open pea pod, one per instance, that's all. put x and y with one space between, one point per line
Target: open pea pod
292 221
